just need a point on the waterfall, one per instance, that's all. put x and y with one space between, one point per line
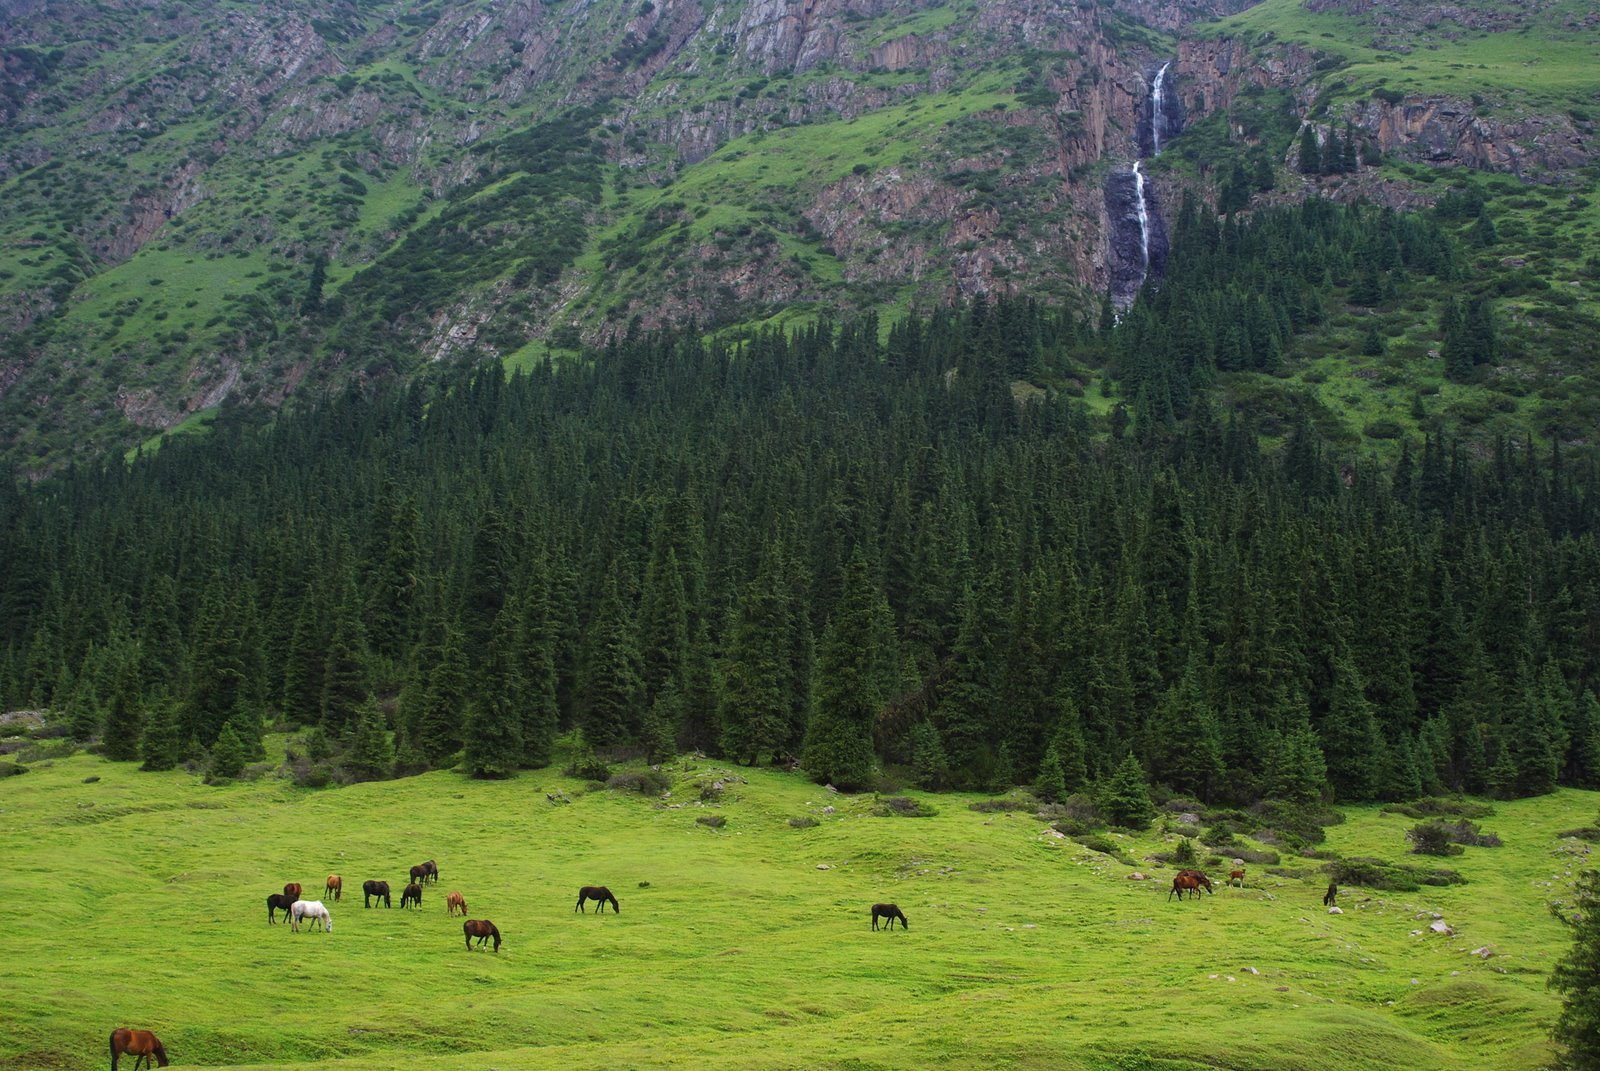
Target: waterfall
1144 221
1158 108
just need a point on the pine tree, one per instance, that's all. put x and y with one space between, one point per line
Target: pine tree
1310 162
1350 739
344 677
1051 784
161 746
658 729
1577 977
612 687
493 733
850 686
752 708
124 718
1295 769
438 723
370 756
1583 752
928 760
227 755
1125 799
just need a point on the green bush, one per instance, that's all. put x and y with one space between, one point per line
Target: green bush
1432 838
902 807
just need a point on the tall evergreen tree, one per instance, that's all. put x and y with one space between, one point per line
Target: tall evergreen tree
850 686
1577 978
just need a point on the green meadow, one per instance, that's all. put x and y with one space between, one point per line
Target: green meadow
139 899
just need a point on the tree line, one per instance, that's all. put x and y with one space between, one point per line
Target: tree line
851 547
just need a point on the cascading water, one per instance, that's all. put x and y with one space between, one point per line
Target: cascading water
1158 108
1143 208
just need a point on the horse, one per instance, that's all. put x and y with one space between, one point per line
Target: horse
1236 876
890 912
1330 897
380 889
142 1044
600 893
310 909
276 903
412 896
453 901
335 886
430 869
1191 881
482 929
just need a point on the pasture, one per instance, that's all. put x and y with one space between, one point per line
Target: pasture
138 900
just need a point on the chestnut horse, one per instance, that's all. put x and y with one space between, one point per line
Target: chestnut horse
600 893
276 902
453 901
379 889
890 912
1236 876
334 888
1191 881
482 929
291 891
412 896
140 1043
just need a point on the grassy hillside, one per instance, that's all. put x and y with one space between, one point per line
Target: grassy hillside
138 899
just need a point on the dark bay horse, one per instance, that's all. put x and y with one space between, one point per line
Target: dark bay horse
277 902
412 896
426 872
140 1043
378 889
291 891
890 912
1331 897
1191 881
482 929
600 893
334 888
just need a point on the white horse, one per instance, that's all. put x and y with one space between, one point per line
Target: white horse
310 909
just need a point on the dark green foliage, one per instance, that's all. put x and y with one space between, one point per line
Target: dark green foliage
493 734
161 746
370 755
227 755
1125 798
850 686
124 716
1577 977
1432 838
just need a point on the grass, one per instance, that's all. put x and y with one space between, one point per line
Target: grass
734 948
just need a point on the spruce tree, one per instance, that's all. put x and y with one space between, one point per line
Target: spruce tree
1349 735
439 718
1051 784
493 733
612 688
850 686
928 761
1125 798
658 727
227 755
1310 161
161 746
124 717
370 756
1577 978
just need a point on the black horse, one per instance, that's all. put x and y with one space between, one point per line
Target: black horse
1331 896
277 902
600 893
482 929
890 912
378 889
412 896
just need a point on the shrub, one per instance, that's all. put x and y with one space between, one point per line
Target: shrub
647 782
1377 874
1013 804
803 822
1184 854
12 769
902 807
1106 847
1432 838
711 821
1435 807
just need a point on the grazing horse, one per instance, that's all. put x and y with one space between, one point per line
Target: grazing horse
1236 876
453 901
600 893
276 903
1331 896
310 909
890 912
380 889
431 870
1191 881
291 891
140 1043
412 896
482 929
335 887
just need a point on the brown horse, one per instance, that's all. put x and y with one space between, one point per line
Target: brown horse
378 889
141 1044
334 888
482 929
1331 897
412 896
600 893
890 912
425 872
453 901
277 902
1191 881
1236 877
291 891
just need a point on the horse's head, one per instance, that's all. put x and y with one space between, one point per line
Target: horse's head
161 1055
327 922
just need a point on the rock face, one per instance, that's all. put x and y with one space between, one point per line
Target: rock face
1444 130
